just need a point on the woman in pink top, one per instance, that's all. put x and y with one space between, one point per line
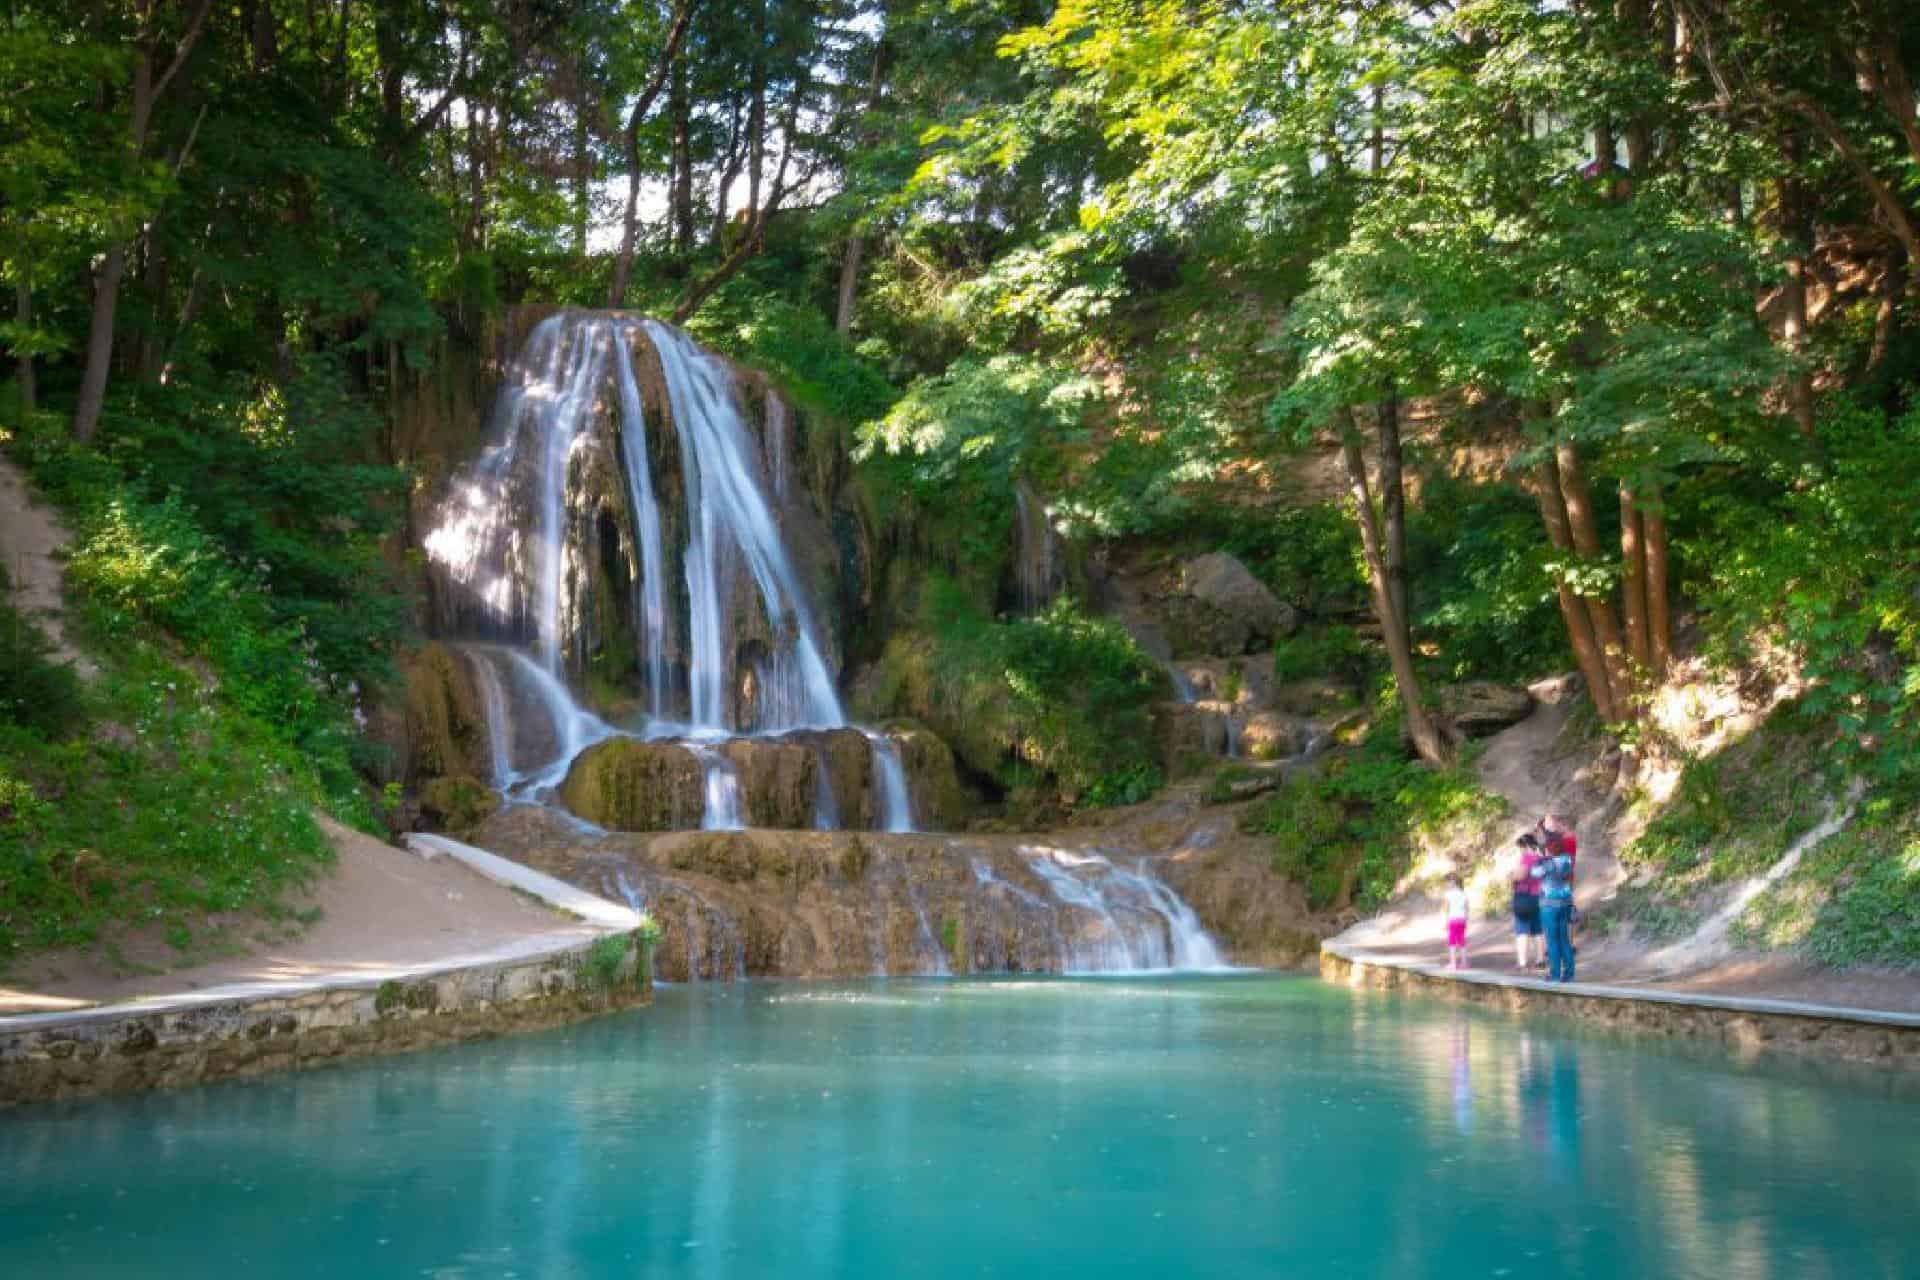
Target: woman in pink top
1526 906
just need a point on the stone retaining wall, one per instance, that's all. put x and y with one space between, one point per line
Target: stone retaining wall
114 1050
1743 1026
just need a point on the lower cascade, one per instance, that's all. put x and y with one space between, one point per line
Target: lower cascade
630 518
807 904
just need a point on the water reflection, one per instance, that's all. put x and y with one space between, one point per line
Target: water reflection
1228 1126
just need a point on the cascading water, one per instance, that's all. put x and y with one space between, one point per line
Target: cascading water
574 728
1029 904
826 809
554 520
731 521
1123 920
493 699
652 621
893 802
723 790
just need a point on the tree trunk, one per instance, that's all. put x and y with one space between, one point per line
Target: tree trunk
680 110
23 359
582 175
1586 646
1393 510
146 91
1633 585
1796 229
757 110
1586 541
630 220
727 174
849 282
1427 739
1891 292
1653 524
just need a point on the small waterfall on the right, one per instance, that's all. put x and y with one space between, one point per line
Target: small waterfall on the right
1115 920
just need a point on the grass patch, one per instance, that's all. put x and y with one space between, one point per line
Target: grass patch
174 805
1852 900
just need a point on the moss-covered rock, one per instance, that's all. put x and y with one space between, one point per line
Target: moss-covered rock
458 803
445 733
625 785
940 803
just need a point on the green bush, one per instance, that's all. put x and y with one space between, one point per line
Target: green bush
1059 701
182 805
1822 560
1348 831
1325 652
36 691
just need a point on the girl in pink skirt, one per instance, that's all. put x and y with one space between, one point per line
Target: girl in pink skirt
1456 924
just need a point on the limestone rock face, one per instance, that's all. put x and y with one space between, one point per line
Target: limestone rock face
1481 707
624 785
1221 608
445 734
855 903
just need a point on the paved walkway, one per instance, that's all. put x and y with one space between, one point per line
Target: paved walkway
1646 993
391 915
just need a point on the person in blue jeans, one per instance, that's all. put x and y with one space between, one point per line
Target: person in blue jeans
1555 874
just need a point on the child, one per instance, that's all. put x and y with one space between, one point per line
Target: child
1456 924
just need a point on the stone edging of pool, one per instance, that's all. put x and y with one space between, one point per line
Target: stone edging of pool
245 1029
1746 1025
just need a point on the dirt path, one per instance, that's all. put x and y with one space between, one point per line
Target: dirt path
380 907
31 544
1538 773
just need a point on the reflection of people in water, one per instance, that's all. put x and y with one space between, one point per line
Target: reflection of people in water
1550 1106
1462 1076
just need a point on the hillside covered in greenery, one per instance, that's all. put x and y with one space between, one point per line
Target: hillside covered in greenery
1497 338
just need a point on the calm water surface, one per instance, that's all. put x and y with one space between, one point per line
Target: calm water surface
1226 1126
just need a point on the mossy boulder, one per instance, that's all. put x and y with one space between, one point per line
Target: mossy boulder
446 729
625 785
458 803
1479 708
779 780
940 803
973 718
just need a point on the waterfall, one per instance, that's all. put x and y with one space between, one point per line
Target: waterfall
493 700
1182 687
564 502
722 790
574 728
893 804
652 609
732 521
1128 920
1030 903
826 809
930 944
779 458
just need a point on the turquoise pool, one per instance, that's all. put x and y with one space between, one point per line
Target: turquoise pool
1250 1125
